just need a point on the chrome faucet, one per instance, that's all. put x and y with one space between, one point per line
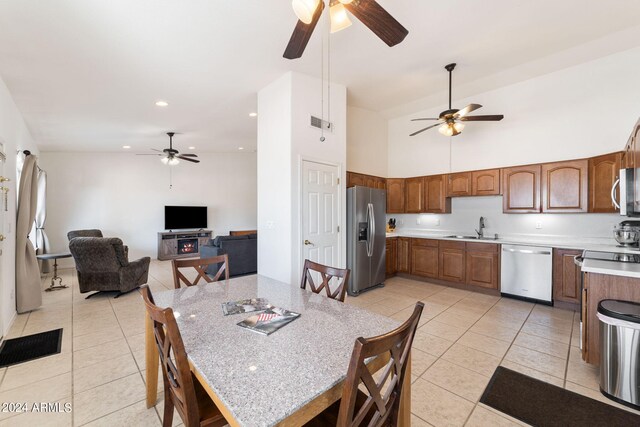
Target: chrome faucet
481 228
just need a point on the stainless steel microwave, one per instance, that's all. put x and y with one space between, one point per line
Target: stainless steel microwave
629 203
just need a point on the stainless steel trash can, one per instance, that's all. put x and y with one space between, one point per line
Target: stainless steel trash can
620 351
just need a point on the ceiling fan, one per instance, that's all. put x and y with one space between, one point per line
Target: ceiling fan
170 155
369 12
450 121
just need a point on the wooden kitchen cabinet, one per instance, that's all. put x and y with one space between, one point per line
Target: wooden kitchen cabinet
404 255
371 181
391 258
521 189
566 276
436 200
452 261
598 287
414 195
483 264
424 257
485 183
459 184
564 186
603 172
395 195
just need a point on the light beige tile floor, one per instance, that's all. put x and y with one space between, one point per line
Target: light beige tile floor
462 337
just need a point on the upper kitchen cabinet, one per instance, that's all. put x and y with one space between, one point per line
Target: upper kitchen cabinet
564 186
361 179
414 195
395 195
459 184
603 172
521 189
485 183
435 197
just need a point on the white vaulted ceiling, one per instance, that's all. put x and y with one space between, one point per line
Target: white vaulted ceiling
86 73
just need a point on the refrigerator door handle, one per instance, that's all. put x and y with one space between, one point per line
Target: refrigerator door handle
372 228
369 225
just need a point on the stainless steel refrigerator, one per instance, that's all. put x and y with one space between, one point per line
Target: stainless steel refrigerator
366 237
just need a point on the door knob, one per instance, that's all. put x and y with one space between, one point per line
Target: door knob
2 238
3 179
306 242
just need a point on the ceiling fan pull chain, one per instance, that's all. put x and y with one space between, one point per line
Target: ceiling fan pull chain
329 75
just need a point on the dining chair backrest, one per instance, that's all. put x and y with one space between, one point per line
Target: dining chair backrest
382 404
326 274
176 373
199 265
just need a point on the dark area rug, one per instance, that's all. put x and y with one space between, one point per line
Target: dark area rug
542 404
23 349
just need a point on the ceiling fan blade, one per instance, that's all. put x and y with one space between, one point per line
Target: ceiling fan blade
466 110
490 118
138 154
160 151
427 128
425 118
302 34
188 159
385 26
189 155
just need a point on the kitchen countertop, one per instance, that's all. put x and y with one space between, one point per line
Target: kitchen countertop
612 268
565 242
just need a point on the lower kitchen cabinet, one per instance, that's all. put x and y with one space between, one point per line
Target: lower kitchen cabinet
391 259
566 276
483 265
404 255
424 257
452 261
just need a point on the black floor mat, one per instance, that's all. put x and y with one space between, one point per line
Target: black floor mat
23 349
542 404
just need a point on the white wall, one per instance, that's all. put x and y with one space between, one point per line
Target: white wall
466 211
124 195
581 111
14 135
366 142
285 139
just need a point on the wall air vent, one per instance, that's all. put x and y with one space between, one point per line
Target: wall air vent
318 123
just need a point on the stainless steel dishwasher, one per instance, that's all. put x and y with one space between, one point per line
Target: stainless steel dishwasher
526 272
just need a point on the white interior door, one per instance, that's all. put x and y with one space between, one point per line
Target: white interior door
3 206
320 213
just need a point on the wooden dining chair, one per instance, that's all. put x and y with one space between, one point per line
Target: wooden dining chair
200 265
182 391
326 274
377 402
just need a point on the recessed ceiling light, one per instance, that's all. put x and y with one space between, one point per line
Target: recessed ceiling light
126 146
253 114
240 148
162 103
192 148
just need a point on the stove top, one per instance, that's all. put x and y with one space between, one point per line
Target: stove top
617 257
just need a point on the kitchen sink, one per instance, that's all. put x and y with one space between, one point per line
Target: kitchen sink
458 236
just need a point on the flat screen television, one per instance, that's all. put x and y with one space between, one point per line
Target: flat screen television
185 217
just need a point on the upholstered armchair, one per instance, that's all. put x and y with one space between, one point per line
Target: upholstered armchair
103 265
93 232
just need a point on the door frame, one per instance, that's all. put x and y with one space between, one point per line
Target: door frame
298 246
3 161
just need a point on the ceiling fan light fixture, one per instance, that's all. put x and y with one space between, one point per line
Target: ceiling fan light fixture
446 129
339 18
173 161
164 160
458 126
346 1
304 9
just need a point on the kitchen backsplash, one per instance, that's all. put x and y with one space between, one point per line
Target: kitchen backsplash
466 211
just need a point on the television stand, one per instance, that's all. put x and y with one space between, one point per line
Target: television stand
181 243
